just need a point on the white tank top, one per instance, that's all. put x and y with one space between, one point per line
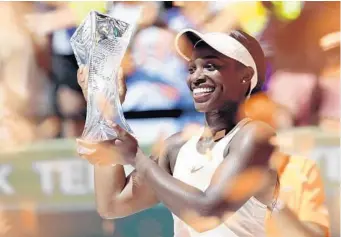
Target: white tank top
196 170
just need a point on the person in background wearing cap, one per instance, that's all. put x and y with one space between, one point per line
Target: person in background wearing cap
201 180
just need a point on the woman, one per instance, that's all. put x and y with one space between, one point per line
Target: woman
201 190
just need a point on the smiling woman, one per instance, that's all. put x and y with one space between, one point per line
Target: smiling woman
199 179
224 69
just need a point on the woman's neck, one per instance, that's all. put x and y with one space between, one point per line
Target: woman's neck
224 119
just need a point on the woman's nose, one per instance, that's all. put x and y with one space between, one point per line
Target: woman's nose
199 80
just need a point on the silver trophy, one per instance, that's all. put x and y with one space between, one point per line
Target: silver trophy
100 43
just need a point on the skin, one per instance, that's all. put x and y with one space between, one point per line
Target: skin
151 182
45 23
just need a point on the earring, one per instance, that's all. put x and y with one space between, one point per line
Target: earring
244 81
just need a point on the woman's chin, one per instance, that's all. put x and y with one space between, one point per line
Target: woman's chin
203 107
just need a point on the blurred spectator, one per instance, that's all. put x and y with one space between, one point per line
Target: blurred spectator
60 21
301 66
158 79
248 16
126 10
329 112
187 14
155 75
145 86
298 63
23 85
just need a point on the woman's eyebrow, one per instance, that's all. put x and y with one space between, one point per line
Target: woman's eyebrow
206 57
210 57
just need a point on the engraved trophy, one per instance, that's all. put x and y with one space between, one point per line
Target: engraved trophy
100 43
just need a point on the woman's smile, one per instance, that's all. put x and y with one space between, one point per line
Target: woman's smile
202 94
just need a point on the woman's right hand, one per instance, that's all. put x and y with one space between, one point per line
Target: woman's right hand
82 78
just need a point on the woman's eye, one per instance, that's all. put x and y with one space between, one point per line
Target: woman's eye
191 70
210 67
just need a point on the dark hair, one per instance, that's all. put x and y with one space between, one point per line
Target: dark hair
256 51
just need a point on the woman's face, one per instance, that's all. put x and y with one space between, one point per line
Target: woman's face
215 80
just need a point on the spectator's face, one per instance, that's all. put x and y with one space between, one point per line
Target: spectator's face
214 80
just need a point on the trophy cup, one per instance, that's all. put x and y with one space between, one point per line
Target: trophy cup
100 43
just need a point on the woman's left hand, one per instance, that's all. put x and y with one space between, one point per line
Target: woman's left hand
125 144
121 150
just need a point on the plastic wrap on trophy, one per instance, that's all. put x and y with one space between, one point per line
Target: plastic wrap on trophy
100 43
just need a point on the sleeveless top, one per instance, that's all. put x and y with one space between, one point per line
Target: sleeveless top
197 170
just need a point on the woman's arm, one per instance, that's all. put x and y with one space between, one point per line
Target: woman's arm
205 210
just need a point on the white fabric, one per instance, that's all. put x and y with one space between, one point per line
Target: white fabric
248 221
125 12
226 45
61 43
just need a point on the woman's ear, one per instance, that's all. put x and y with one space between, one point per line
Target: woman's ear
246 75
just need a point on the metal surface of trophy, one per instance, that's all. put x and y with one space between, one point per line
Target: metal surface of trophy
100 43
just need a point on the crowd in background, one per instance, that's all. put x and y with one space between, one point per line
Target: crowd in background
40 97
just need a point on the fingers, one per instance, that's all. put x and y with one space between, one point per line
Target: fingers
90 147
102 154
118 142
91 158
86 145
121 133
88 151
82 75
79 72
120 74
93 146
82 79
91 151
122 87
100 159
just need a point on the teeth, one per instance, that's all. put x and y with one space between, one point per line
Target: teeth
202 90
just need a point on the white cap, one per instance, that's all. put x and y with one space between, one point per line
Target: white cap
221 42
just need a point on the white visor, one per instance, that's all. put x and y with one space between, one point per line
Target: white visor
221 42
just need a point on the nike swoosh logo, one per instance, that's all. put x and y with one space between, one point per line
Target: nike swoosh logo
193 170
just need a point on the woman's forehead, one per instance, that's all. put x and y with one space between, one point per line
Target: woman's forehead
204 51
207 52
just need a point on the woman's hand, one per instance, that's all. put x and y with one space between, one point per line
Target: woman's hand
118 151
82 78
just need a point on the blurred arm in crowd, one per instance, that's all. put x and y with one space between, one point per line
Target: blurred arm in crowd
64 15
301 204
22 82
71 14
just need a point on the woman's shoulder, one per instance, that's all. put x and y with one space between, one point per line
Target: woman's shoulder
256 131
